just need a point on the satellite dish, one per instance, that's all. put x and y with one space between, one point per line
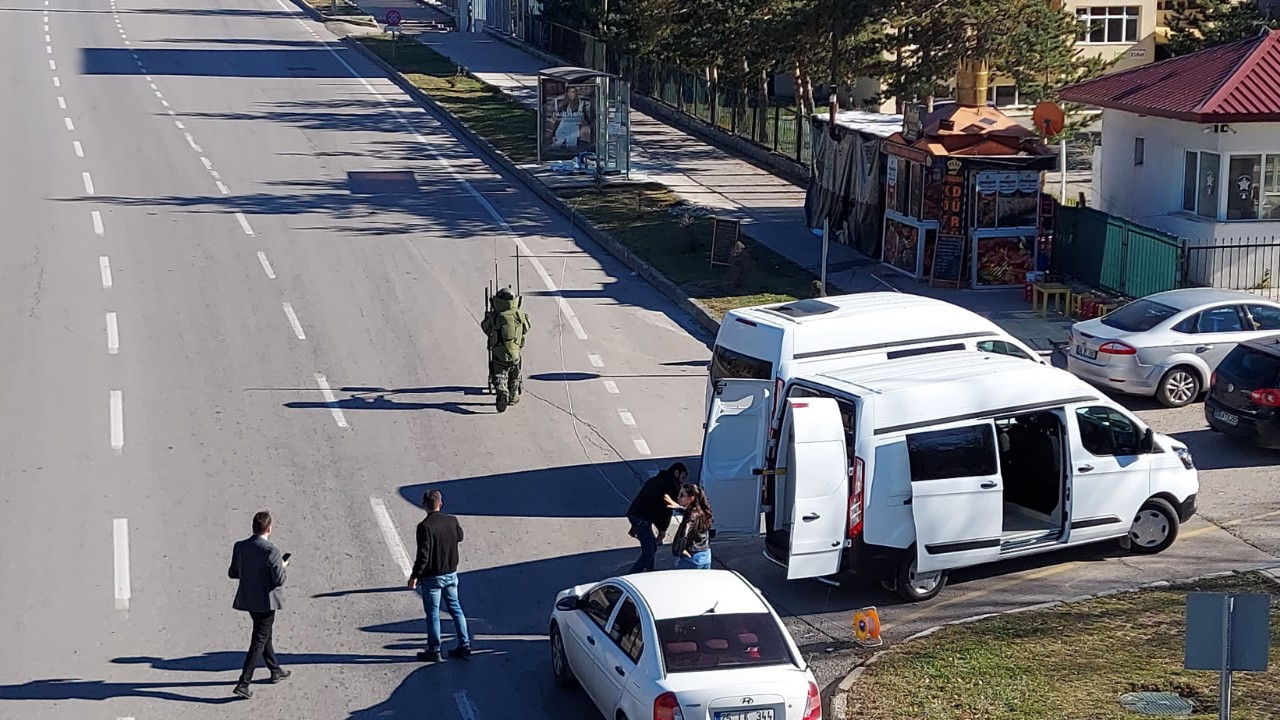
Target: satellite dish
1049 119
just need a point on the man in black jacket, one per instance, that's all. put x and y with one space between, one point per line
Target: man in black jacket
259 567
436 570
649 510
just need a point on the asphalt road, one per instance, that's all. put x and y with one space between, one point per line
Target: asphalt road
205 314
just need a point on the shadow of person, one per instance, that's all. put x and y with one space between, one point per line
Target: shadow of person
227 660
76 689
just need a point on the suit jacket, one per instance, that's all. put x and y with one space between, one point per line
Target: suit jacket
256 563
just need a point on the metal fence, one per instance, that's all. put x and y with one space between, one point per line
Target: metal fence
1116 254
1251 264
783 130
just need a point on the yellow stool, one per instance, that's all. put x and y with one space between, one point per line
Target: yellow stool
1106 308
1078 301
1041 293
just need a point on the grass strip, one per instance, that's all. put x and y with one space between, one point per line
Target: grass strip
1072 662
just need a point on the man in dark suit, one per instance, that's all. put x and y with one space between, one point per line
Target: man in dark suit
259 567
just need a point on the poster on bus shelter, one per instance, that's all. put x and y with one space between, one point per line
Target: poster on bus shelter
567 123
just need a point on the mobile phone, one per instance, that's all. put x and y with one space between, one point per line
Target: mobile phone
286 557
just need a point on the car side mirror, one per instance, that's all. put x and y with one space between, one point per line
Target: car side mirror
1148 442
569 603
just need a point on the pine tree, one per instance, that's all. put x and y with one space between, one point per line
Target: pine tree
1200 24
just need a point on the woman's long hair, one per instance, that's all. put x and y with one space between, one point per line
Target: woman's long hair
700 510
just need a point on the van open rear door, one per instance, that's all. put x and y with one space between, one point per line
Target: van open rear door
818 470
733 449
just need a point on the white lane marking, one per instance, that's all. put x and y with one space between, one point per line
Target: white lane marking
207 164
626 417
104 264
48 49
126 40
266 265
164 102
159 94
98 228
153 86
148 78
244 224
223 188
113 334
57 82
88 183
611 387
329 398
62 103
117 420
293 321
214 174
642 447
192 142
595 360
390 535
171 112
78 148
53 65
46 37
120 543
466 708
179 124
561 302
69 124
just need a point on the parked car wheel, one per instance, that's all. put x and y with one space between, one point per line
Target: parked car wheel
1154 528
559 661
1178 387
914 586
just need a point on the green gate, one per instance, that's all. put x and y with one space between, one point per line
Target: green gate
1115 254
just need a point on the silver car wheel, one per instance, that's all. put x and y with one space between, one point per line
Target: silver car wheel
1150 528
923 583
1181 386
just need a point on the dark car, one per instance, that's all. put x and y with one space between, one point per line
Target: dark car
1244 394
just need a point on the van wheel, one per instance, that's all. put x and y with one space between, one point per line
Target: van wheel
1154 528
918 587
1178 387
559 661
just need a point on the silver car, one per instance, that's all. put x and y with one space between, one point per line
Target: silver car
1168 344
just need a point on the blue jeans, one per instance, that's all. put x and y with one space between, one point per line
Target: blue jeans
698 561
433 587
648 544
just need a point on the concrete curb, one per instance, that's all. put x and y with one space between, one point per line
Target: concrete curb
321 17
839 704
611 244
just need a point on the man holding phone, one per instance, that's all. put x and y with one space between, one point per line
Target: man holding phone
260 568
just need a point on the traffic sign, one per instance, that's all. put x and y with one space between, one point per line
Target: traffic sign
393 18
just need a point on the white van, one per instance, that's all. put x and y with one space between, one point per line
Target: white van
904 470
780 341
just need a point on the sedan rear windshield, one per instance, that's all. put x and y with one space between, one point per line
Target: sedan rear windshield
710 642
1252 368
1139 316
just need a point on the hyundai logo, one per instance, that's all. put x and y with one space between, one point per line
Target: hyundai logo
1231 387
747 700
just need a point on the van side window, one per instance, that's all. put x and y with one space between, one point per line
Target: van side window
1106 432
1001 347
958 452
729 364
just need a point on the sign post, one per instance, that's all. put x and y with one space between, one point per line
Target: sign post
1227 633
392 21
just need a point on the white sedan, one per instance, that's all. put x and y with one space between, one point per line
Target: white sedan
680 645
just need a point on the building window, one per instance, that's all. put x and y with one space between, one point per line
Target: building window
1251 184
1108 25
1271 188
1139 150
1243 179
1190 170
1209 181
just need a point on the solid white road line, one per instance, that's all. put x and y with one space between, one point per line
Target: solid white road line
293 322
466 708
98 229
626 417
117 420
642 447
120 542
595 360
391 536
62 103
329 398
266 265
244 224
70 125
78 148
222 188
88 183
104 263
611 387
113 334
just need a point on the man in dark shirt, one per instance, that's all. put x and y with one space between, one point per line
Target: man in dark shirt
436 570
650 509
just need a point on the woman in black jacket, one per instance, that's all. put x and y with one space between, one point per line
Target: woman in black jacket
692 543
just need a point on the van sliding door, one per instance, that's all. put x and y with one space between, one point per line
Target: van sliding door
957 495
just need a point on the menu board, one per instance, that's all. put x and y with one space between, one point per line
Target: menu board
948 260
952 218
724 235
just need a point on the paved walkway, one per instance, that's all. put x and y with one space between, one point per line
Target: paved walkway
772 209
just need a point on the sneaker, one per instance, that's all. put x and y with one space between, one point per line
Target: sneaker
429 656
243 691
502 404
279 676
515 399
462 653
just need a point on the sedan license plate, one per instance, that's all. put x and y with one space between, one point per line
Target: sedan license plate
1226 417
765 714
1083 351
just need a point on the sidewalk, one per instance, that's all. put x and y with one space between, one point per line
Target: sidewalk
770 208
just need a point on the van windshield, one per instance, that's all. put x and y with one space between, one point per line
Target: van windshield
729 364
